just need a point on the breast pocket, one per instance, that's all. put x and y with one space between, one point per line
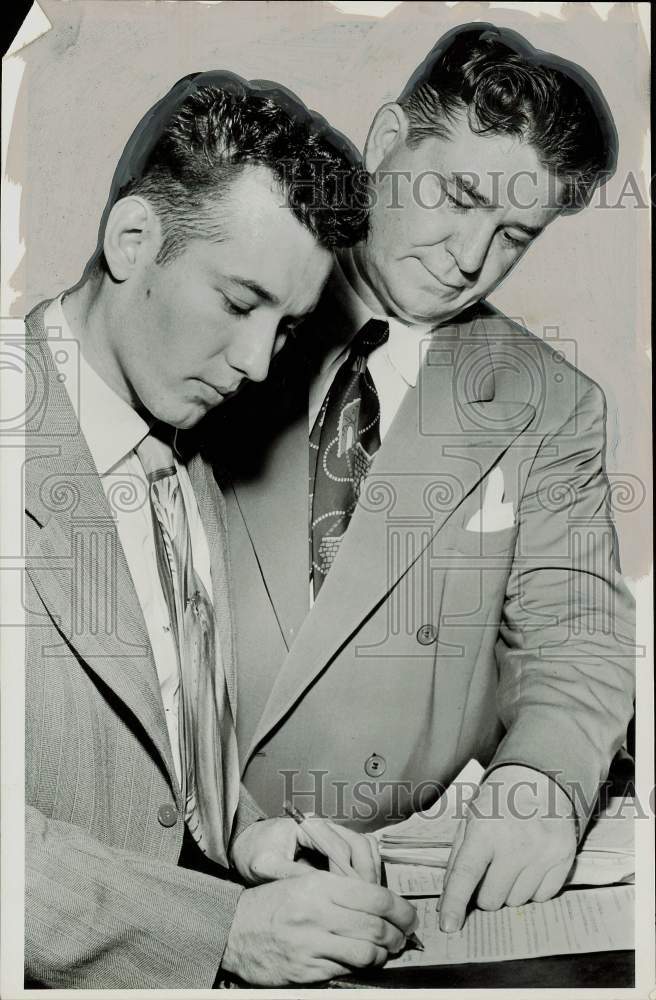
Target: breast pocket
479 544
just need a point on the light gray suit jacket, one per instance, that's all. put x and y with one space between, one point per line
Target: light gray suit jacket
430 643
106 903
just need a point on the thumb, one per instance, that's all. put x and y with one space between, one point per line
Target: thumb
272 865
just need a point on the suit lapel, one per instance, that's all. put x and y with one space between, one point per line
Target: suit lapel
274 507
76 562
447 434
212 514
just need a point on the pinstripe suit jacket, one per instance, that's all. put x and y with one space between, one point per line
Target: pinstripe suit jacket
106 903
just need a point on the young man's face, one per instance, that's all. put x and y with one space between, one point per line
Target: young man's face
437 245
196 327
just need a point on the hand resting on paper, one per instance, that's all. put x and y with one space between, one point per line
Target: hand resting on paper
517 843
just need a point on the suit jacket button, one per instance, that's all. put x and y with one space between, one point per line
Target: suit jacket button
375 765
426 634
167 814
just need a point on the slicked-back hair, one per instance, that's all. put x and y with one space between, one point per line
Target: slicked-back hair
504 86
188 149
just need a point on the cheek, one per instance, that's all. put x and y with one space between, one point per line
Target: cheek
498 263
430 226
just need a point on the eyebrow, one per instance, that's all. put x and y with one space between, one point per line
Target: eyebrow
482 199
469 188
254 287
267 296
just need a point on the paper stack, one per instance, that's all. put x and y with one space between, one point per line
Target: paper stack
425 838
607 852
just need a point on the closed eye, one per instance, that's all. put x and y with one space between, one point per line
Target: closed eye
514 241
235 308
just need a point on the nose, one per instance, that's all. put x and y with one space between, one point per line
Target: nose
469 246
251 353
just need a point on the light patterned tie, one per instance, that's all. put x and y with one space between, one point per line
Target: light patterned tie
343 442
208 745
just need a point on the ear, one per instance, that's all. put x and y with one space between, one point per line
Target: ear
132 236
388 130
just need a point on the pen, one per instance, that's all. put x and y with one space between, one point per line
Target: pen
317 841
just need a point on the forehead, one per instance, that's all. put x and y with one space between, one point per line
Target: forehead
259 238
505 169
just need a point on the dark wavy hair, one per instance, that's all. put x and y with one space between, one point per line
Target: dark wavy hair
504 86
187 150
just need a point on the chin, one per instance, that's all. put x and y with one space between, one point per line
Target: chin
183 415
418 309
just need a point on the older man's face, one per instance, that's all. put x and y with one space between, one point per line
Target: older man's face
451 218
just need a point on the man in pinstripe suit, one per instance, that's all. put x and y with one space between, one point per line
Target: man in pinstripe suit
136 865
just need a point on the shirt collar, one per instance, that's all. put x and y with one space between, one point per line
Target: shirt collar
407 343
111 427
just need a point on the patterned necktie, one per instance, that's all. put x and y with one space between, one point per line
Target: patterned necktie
208 746
343 442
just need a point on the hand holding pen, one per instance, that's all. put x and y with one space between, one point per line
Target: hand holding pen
318 841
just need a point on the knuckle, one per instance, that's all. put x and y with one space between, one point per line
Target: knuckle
397 943
380 957
378 930
365 953
382 900
463 869
487 900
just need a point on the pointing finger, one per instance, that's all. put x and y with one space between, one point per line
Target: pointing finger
469 866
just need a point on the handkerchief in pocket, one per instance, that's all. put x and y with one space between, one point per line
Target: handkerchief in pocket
494 515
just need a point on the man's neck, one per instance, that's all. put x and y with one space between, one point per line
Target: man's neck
88 314
351 263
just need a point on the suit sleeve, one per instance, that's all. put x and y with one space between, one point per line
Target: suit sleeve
566 645
100 917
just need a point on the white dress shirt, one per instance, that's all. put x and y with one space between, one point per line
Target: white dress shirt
394 366
112 430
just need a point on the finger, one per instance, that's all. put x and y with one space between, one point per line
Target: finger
455 847
552 882
374 847
524 886
319 970
271 866
496 884
359 847
318 835
365 927
354 953
468 869
376 900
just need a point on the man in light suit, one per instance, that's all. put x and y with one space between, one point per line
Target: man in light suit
462 597
140 839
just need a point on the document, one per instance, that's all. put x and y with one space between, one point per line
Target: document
579 920
414 880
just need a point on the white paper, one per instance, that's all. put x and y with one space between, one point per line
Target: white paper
438 824
577 921
414 880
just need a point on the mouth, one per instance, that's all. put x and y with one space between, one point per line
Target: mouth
441 281
220 391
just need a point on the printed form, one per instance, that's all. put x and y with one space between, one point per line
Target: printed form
579 920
